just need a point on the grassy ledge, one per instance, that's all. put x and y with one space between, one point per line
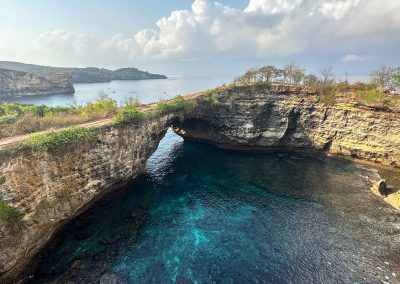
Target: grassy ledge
52 139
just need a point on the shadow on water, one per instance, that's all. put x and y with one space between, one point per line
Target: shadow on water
202 215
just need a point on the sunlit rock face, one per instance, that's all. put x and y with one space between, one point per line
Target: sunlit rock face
17 83
53 185
285 117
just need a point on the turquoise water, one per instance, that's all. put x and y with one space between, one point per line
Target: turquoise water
146 91
203 215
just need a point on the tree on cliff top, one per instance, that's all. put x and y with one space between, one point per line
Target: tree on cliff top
382 77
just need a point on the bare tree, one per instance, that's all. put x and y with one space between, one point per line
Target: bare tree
249 77
310 80
327 75
396 77
268 73
382 77
293 73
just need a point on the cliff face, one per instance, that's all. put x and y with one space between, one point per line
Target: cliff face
17 83
49 186
285 117
83 75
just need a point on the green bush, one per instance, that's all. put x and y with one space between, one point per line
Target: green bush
2 180
361 86
6 152
262 84
64 195
129 114
175 105
103 106
327 93
10 216
370 96
49 140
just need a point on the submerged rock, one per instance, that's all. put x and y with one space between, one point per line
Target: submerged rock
111 278
381 187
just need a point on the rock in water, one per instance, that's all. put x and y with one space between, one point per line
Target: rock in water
381 187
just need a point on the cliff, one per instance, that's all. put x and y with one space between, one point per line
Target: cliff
83 75
18 83
294 118
52 185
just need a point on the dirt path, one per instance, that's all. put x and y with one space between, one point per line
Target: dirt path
8 142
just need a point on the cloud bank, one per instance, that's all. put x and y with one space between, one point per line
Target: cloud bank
263 29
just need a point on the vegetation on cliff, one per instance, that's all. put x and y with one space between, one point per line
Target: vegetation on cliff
380 91
175 105
130 114
10 217
16 119
52 139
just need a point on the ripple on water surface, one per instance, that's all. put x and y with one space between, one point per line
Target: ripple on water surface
202 215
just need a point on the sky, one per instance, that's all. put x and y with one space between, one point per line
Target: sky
202 37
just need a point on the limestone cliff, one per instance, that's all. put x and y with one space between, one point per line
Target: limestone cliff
287 117
50 186
17 83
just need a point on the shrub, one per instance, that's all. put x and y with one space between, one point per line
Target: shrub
177 104
129 114
52 139
102 107
370 96
361 86
262 84
327 93
64 195
43 204
2 180
10 216
5 152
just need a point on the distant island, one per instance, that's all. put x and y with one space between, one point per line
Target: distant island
83 75
20 79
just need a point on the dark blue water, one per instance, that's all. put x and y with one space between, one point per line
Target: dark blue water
202 215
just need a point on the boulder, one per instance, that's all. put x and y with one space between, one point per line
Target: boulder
381 187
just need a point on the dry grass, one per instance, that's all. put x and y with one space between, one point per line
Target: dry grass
20 120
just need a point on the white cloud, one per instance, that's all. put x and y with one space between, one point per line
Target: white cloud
273 6
61 41
337 9
264 28
355 58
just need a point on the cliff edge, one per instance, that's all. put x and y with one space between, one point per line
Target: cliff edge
18 83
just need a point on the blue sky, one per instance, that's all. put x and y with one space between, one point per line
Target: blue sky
202 37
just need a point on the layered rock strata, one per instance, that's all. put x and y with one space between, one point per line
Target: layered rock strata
50 186
17 83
